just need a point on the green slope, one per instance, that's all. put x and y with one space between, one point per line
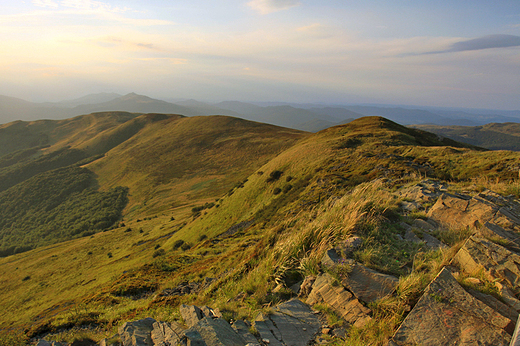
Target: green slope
278 198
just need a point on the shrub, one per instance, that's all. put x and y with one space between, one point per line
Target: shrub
178 244
158 253
109 255
185 246
277 190
202 237
274 176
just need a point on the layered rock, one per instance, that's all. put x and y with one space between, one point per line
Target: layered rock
448 315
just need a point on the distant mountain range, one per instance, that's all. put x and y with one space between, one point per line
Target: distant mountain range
306 117
495 136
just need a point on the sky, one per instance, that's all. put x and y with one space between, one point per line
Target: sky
448 53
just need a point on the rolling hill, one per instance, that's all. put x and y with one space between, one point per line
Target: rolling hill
237 210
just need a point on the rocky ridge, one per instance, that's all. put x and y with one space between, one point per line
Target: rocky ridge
453 310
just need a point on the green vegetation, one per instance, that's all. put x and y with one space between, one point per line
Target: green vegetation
269 232
56 206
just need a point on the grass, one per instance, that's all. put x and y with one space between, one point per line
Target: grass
342 183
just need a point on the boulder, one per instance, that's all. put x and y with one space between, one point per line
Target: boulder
191 314
242 329
340 300
461 211
167 334
369 285
137 333
214 332
448 315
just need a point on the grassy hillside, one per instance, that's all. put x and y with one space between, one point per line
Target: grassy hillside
176 162
495 136
269 201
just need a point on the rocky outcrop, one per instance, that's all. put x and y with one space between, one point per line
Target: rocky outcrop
291 323
369 285
448 315
340 300
497 262
493 214
426 191
137 333
167 334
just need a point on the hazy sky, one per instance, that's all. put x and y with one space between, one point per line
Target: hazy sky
442 53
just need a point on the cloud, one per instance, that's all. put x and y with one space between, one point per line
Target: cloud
91 5
45 3
486 42
269 6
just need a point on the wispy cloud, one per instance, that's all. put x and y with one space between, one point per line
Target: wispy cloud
480 43
45 3
269 6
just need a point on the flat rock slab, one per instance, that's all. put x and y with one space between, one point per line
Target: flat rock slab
496 261
340 300
369 285
214 332
291 323
425 191
461 211
167 334
137 333
448 315
242 329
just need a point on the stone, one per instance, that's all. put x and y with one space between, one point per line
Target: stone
369 285
473 281
340 300
496 261
508 296
330 258
425 191
426 226
215 332
306 286
265 327
495 304
432 242
409 206
348 246
495 232
190 314
167 334
412 237
291 323
242 329
193 338
43 342
448 315
209 312
137 333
